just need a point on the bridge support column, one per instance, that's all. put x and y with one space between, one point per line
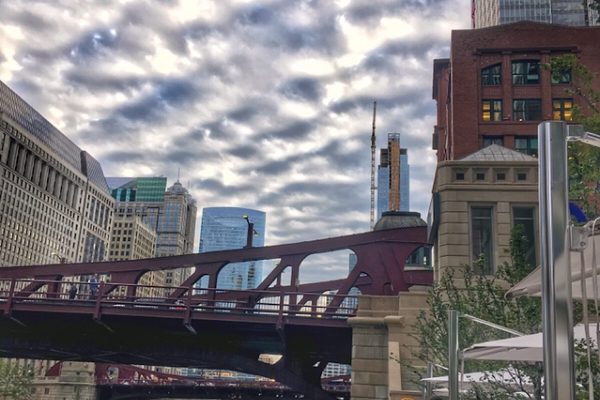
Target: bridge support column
382 347
75 380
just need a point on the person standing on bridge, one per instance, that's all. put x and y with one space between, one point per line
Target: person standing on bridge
94 286
72 291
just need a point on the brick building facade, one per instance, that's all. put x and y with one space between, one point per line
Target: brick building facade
494 88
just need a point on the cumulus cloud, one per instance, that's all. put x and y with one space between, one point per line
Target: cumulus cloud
264 105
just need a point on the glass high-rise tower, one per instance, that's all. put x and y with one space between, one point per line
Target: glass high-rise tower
225 228
486 13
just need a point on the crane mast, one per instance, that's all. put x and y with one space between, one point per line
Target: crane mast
373 148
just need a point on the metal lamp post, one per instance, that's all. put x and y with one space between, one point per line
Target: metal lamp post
249 232
557 313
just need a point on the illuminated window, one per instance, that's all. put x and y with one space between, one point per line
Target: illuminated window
491 75
491 110
527 110
562 109
525 72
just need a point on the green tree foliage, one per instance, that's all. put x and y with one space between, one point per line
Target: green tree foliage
584 160
467 291
594 5
15 381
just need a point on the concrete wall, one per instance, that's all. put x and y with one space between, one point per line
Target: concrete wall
382 346
453 239
76 382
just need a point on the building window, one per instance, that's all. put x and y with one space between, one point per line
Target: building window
525 72
562 109
491 75
491 110
481 238
460 176
490 140
480 176
524 216
559 77
527 110
527 145
500 176
521 176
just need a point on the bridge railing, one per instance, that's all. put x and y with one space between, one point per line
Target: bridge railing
113 295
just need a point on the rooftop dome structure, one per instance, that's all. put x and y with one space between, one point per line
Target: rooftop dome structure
399 219
178 189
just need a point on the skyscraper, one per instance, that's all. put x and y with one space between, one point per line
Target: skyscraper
393 177
55 206
176 229
132 239
142 196
177 224
171 213
225 228
54 202
486 13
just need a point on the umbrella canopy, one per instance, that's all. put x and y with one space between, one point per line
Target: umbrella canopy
508 376
532 283
504 375
521 348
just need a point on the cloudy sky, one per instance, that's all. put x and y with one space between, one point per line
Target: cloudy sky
261 104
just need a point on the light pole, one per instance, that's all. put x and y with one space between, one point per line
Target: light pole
556 242
249 232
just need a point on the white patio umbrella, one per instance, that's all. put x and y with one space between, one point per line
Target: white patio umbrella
531 284
504 375
521 348
508 376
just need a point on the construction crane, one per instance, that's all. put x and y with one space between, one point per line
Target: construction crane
373 148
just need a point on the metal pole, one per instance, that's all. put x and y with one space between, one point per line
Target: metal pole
453 354
249 232
428 386
557 315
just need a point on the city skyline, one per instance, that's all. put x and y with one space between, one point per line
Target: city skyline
148 89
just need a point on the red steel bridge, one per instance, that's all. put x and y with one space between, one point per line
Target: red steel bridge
207 327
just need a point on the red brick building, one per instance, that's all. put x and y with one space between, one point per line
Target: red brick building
495 90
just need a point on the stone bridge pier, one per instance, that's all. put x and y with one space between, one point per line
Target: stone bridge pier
382 346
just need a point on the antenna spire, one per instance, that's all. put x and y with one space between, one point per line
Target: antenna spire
373 148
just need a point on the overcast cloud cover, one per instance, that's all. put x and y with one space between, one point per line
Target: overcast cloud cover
262 104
